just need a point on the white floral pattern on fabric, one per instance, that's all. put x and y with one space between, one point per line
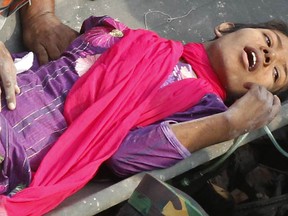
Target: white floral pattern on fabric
83 64
185 73
104 36
181 71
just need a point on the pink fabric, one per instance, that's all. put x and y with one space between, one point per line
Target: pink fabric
196 55
120 91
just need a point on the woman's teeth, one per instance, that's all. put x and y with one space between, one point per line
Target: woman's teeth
252 59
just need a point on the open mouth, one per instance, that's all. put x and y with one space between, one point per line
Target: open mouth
252 58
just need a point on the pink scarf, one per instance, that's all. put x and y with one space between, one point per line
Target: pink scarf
120 91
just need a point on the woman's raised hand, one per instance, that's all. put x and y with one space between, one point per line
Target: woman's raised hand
9 86
255 109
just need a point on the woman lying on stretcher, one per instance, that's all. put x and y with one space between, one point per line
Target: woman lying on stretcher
143 104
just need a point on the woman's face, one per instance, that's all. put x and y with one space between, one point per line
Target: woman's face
250 55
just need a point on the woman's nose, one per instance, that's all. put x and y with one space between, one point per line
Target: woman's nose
269 55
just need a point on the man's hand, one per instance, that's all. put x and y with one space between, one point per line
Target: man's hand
8 77
47 37
43 33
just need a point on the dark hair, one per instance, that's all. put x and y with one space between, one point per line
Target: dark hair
276 24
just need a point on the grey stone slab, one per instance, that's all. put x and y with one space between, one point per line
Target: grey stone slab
190 20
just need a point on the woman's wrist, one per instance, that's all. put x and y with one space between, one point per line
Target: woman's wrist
234 126
202 132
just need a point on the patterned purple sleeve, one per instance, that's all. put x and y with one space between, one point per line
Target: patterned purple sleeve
147 148
156 146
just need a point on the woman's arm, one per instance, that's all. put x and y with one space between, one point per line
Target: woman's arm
254 110
43 32
162 145
156 146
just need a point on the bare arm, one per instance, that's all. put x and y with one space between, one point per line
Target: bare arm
255 109
200 133
43 32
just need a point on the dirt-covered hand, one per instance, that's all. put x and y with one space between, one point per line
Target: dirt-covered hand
255 109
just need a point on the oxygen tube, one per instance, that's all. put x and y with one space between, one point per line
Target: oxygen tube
237 143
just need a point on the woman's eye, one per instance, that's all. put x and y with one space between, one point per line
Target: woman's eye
275 74
268 41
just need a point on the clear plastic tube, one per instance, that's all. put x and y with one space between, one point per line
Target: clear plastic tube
237 143
229 152
273 140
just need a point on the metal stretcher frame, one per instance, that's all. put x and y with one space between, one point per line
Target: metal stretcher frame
95 198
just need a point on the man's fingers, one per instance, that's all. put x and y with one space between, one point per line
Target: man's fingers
8 77
11 103
17 89
9 89
9 83
53 51
41 54
10 92
0 99
10 95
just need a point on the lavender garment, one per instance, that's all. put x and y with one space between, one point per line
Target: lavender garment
29 132
155 146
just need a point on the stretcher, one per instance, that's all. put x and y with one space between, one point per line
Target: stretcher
99 196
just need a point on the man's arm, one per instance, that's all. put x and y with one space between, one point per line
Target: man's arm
43 32
38 8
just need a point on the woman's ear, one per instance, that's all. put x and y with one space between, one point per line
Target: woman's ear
222 28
